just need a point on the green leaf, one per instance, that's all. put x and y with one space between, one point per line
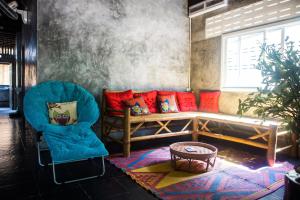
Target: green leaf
280 96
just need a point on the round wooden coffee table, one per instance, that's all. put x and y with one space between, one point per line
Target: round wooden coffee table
193 151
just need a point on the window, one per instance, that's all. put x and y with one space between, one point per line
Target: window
240 53
4 74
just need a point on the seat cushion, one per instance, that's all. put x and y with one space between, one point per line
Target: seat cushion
37 97
73 145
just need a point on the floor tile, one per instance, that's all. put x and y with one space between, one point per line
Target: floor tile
103 188
64 192
26 189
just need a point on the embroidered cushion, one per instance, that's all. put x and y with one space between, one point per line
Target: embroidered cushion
167 103
62 113
186 101
115 100
137 106
150 100
169 93
209 101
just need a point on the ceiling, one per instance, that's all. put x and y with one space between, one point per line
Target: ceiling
9 25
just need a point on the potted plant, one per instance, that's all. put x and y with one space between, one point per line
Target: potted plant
279 98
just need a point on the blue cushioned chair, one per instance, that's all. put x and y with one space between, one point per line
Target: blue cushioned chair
66 143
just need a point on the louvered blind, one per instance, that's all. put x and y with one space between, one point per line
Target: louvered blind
262 12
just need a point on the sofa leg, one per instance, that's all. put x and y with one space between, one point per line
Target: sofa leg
272 145
127 134
126 149
195 129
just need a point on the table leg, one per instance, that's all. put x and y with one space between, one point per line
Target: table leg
214 162
207 164
173 161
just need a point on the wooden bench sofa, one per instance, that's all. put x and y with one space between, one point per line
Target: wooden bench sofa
265 133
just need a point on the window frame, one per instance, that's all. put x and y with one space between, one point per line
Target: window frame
263 28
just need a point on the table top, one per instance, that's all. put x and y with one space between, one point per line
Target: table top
193 150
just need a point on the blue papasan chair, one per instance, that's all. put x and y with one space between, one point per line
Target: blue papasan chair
69 143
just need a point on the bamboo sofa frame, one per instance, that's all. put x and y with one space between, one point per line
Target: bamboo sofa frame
196 124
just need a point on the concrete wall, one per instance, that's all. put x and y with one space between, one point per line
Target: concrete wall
206 60
117 44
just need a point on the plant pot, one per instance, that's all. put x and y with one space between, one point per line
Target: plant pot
297 168
292 185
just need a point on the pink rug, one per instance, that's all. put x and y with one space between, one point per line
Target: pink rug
152 169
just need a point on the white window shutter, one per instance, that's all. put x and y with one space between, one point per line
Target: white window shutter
259 13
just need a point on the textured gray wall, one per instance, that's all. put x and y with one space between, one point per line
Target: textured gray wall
205 65
118 44
206 60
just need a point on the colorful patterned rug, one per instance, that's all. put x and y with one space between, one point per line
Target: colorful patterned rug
152 169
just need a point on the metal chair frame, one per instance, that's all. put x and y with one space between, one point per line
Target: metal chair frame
39 134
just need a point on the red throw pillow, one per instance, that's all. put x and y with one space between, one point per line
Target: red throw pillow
186 101
115 100
167 103
166 92
150 100
169 93
137 106
209 101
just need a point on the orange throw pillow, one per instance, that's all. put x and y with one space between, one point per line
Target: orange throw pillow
137 106
163 92
167 103
150 100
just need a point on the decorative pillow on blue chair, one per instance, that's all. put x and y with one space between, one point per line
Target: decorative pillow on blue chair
63 113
